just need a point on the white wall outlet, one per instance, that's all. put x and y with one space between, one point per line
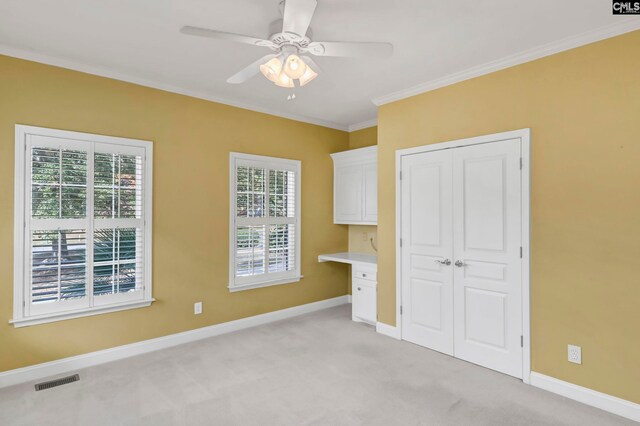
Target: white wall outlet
197 308
575 354
365 237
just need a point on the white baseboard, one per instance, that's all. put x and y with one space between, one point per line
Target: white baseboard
66 365
349 298
388 330
605 402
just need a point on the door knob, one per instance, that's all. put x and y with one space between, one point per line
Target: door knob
446 262
459 263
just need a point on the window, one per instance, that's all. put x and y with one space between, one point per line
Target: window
265 221
83 224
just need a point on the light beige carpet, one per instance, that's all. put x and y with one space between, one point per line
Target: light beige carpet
316 369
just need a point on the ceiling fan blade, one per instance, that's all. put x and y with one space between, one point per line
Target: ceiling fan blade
354 49
249 71
312 64
297 16
221 35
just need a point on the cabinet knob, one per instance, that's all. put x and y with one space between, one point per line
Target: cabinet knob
359 289
364 275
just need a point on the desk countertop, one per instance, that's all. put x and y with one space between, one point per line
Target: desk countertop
349 257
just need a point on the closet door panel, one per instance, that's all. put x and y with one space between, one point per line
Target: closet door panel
487 238
427 292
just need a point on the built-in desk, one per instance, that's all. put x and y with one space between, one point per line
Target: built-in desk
364 283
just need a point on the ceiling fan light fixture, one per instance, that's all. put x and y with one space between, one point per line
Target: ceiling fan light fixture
294 67
309 75
288 43
283 80
272 69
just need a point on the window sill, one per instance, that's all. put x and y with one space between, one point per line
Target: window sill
61 316
252 286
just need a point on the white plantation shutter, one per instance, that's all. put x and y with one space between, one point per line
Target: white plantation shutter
56 226
58 268
119 226
265 222
82 224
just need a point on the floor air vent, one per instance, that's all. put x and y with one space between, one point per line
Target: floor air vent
57 382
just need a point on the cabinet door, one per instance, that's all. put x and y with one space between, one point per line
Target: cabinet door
364 301
370 190
348 194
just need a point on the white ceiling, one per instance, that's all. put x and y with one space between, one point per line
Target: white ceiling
138 40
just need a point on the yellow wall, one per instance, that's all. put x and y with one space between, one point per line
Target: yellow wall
583 108
359 236
363 138
192 140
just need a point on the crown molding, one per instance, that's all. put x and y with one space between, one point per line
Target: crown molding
116 75
363 125
548 49
356 156
489 67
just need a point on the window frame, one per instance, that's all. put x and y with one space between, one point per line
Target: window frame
237 159
22 220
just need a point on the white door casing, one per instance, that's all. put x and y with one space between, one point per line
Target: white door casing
486 251
427 293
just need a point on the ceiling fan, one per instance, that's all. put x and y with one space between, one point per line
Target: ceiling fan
289 65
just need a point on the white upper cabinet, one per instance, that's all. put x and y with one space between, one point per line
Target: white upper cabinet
355 186
347 198
370 193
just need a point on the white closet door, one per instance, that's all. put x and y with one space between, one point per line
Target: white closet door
427 293
487 239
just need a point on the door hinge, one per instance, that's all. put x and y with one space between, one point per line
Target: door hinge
400 309
400 174
520 163
400 242
521 341
520 252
